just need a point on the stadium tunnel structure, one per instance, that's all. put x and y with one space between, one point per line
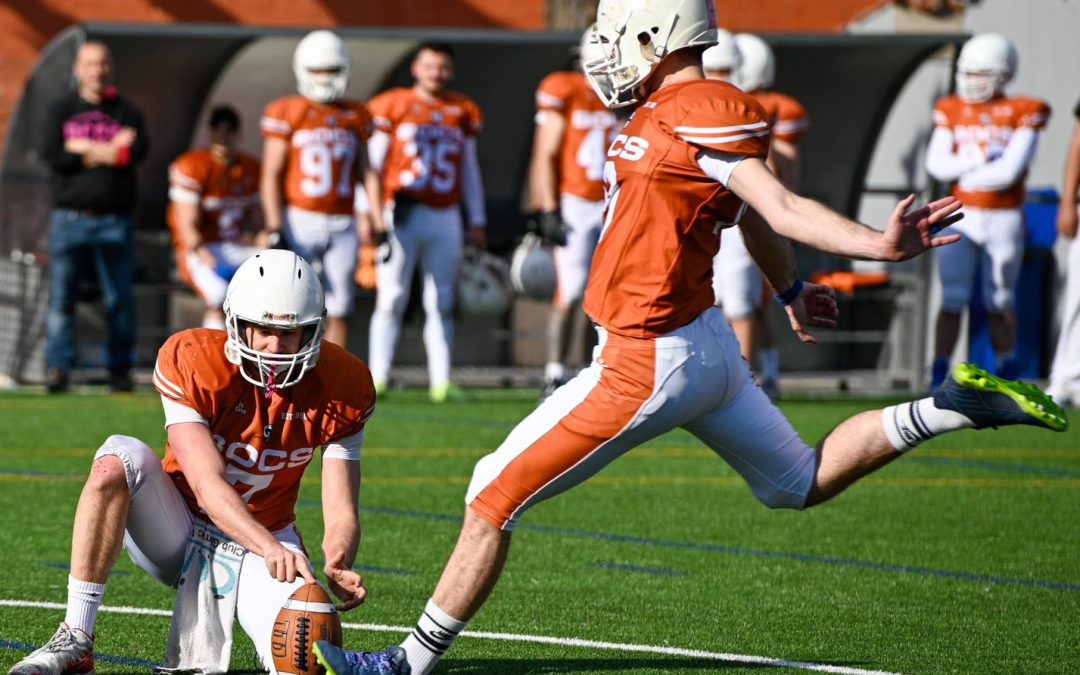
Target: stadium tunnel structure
175 73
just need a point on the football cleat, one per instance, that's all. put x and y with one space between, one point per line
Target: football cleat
337 661
68 651
991 401
447 392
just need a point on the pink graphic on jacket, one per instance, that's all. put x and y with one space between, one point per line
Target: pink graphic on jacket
93 125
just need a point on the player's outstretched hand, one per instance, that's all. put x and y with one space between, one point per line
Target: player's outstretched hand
285 565
814 306
909 234
347 585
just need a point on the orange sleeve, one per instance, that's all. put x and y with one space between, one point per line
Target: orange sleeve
365 125
175 373
943 113
381 110
188 172
1033 114
474 118
554 93
792 120
350 396
275 120
728 121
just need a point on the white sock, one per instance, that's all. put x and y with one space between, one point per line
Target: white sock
83 601
554 371
909 424
434 633
770 364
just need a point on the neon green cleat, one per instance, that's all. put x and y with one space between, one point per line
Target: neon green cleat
447 392
990 401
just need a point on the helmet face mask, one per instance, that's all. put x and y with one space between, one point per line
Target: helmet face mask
274 290
987 62
321 66
632 37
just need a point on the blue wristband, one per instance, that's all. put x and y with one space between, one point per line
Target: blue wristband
788 296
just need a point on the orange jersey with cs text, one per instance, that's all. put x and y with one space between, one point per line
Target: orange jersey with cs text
988 127
226 194
652 271
590 127
265 445
427 141
788 117
324 139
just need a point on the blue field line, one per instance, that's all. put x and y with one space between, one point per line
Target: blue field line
992 465
67 568
744 552
34 474
382 570
98 657
638 569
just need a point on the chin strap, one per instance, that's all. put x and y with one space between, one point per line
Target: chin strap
270 386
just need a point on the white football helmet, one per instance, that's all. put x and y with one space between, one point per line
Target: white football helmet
278 289
321 50
723 56
757 70
532 268
986 64
634 36
483 285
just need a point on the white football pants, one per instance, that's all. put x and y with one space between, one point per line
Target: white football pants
330 243
635 390
431 238
1065 370
584 219
737 281
993 239
210 285
156 536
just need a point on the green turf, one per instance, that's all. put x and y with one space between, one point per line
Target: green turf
963 557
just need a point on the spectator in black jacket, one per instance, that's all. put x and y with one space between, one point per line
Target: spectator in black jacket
93 140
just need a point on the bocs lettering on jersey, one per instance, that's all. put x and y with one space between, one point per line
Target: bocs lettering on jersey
268 460
592 119
630 148
430 133
324 135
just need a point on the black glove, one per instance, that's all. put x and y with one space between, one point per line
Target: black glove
549 226
382 247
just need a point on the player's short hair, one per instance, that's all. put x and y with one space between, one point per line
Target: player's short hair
433 46
226 116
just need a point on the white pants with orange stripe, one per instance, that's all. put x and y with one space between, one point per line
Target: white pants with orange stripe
156 536
737 281
636 390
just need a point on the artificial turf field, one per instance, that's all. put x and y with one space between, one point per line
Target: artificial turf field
962 557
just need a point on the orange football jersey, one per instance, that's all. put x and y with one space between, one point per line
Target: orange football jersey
324 139
652 271
788 117
590 127
427 140
265 444
227 194
989 126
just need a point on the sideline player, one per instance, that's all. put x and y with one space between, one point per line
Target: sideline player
424 146
692 155
983 143
313 154
214 212
573 131
1065 371
241 432
737 281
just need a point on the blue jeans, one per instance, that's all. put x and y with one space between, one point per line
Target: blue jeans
77 241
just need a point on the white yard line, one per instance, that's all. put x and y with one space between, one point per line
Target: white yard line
538 639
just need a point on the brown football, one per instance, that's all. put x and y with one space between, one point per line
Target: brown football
306 617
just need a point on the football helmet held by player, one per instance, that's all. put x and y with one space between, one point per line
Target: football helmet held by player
723 56
532 268
757 67
483 287
321 65
987 62
274 289
635 36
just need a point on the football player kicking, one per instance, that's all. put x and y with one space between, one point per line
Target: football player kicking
245 410
692 156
